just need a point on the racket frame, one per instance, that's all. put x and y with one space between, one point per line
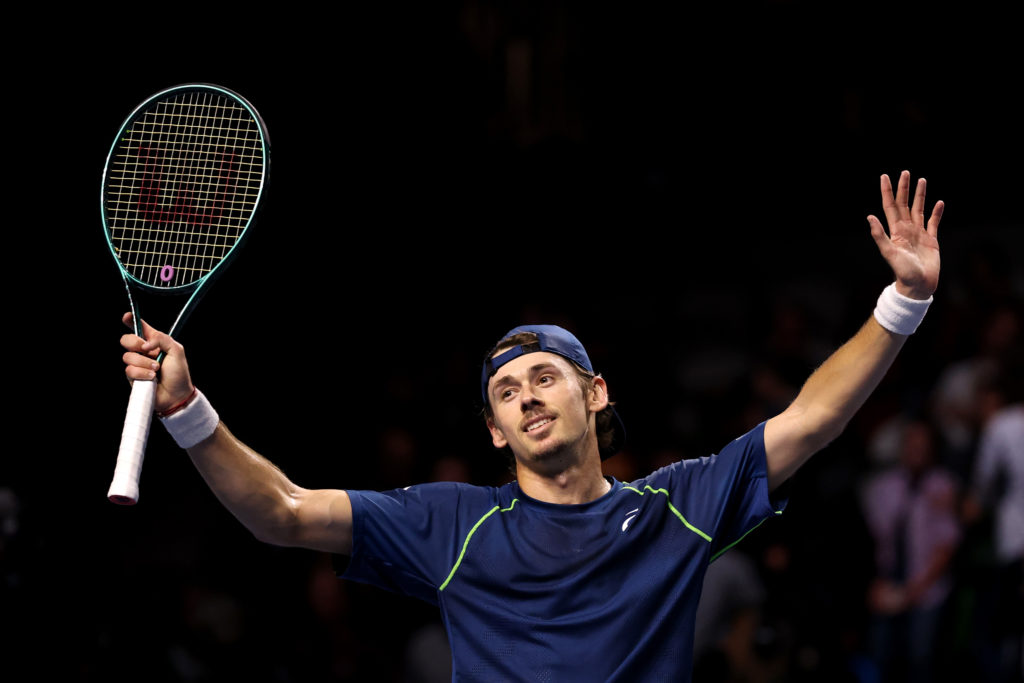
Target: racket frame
124 489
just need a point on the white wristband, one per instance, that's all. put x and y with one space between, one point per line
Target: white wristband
898 313
193 423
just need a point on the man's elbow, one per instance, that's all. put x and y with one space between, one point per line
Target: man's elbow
817 427
272 536
279 527
796 435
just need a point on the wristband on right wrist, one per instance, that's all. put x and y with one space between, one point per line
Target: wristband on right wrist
179 405
898 313
193 423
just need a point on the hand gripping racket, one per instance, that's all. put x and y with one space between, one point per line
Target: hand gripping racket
180 188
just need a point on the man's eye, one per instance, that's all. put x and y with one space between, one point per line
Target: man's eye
506 394
546 379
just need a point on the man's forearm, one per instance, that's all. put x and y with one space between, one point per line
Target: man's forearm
829 399
273 508
837 389
249 485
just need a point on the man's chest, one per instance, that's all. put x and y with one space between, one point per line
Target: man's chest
536 565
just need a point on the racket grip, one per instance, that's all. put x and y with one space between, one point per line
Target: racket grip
124 489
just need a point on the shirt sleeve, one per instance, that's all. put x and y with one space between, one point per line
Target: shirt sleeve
726 495
406 540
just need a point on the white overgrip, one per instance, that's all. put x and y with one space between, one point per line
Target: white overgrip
124 489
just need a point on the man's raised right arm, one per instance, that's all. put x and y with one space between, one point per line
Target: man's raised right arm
273 508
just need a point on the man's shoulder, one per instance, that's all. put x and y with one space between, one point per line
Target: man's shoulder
444 494
673 475
750 442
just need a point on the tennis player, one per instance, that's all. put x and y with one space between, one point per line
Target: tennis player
563 574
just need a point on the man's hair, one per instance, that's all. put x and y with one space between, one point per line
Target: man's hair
604 420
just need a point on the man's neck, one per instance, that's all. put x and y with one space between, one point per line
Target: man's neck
580 482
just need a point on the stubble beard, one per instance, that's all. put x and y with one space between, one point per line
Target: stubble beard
559 455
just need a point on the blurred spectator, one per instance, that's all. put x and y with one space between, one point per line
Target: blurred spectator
428 657
397 458
728 617
623 466
957 394
998 480
450 468
998 485
329 644
910 512
886 443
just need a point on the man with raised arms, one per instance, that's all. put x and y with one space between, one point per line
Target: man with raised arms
563 574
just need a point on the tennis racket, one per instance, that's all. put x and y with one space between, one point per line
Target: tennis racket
180 189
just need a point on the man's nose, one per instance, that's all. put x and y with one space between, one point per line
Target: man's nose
528 399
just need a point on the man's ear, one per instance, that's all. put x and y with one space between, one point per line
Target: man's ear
497 436
598 395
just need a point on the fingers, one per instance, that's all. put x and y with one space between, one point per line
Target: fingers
129 320
139 345
933 222
888 203
918 209
156 355
158 341
896 207
154 342
138 366
903 195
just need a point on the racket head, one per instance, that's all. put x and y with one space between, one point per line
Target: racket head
181 185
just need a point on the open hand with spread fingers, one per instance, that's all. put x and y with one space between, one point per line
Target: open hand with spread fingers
911 248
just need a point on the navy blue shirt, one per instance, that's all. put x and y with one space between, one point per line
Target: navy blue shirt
534 591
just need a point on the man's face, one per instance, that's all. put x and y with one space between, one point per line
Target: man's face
539 409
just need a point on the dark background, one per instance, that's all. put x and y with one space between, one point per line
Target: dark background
661 182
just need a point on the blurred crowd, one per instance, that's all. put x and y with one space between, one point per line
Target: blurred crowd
898 558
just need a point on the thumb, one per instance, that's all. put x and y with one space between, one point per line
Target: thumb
878 234
153 338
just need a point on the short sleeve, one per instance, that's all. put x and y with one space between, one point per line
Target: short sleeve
724 495
405 540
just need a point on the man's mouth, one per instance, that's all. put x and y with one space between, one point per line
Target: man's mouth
537 423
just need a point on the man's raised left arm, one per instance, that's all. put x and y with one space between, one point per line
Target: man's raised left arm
837 389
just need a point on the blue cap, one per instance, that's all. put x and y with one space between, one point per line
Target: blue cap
553 339
550 338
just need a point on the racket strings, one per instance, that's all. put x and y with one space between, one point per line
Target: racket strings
182 186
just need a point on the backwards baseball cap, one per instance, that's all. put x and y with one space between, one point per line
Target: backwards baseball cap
557 340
